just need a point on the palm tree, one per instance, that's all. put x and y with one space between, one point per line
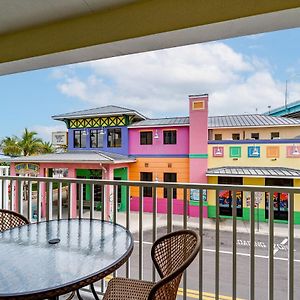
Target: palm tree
47 147
29 143
10 146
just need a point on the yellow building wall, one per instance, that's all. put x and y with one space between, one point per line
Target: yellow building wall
159 166
211 194
297 196
245 161
285 132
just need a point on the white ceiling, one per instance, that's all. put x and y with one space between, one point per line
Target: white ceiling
21 14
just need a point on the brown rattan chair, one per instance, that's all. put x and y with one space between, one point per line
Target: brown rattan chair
171 255
10 219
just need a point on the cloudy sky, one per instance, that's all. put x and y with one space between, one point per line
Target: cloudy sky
241 75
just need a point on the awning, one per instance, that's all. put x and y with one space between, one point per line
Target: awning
76 157
266 172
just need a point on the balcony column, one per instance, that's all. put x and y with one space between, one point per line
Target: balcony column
72 174
42 173
109 193
14 188
5 172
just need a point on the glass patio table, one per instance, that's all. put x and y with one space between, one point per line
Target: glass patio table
48 259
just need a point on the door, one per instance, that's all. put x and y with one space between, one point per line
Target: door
119 191
225 197
280 200
83 188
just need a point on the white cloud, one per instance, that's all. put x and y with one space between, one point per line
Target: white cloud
158 83
45 132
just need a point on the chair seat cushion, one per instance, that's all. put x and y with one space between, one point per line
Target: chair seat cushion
123 288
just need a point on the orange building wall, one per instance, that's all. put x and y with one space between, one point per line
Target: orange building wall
159 166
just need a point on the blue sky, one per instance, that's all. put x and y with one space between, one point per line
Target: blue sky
241 75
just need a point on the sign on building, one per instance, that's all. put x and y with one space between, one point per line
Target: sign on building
59 138
27 169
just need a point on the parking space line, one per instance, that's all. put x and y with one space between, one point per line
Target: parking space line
239 253
282 243
205 295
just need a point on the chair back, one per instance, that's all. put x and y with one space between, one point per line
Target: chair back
171 255
10 219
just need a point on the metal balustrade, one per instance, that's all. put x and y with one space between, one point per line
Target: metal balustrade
20 192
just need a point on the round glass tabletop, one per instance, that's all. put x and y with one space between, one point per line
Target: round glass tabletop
51 256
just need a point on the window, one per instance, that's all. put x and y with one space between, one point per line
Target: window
119 192
147 176
170 177
218 137
96 138
146 138
170 137
274 135
235 136
114 138
79 139
255 136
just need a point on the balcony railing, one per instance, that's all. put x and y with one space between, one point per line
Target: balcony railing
216 272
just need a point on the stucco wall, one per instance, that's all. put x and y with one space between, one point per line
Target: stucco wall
158 147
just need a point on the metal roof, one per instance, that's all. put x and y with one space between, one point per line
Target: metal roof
254 120
231 121
4 157
77 156
177 121
254 172
98 112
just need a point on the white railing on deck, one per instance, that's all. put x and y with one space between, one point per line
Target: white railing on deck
16 183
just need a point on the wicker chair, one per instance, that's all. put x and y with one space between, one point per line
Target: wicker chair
171 255
10 219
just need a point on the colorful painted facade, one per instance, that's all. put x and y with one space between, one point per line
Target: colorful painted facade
118 143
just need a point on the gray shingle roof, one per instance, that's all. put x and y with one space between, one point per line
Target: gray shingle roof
254 172
99 111
76 156
224 121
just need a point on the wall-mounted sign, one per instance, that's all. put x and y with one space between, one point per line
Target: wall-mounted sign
254 151
195 195
27 169
218 151
59 138
258 198
273 152
293 151
60 172
235 151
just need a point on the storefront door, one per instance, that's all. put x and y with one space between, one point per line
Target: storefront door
280 200
225 197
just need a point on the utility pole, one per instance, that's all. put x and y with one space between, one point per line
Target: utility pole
286 94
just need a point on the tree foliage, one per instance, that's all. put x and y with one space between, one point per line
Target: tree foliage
28 144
